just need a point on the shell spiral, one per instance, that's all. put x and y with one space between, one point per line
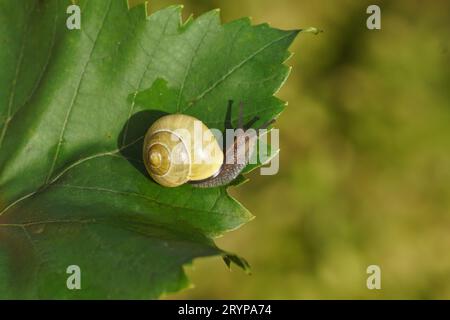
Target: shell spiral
171 155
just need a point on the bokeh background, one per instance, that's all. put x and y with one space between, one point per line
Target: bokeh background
365 158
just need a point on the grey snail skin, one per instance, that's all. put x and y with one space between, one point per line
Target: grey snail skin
168 152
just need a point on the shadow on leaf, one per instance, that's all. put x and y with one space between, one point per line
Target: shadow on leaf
131 138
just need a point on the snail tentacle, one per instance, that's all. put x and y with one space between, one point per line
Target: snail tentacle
230 171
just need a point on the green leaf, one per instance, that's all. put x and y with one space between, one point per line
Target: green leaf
74 105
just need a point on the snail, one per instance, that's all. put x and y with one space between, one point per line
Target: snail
172 157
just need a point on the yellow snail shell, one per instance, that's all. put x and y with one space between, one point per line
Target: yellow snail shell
169 151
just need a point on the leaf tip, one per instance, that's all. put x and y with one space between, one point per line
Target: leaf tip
229 258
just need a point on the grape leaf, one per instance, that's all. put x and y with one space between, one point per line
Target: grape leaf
72 187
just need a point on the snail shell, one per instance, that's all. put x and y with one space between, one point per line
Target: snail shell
171 155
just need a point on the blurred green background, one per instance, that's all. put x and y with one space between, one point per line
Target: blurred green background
365 158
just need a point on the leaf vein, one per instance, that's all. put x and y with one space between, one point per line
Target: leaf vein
131 194
234 69
189 67
16 77
75 96
151 57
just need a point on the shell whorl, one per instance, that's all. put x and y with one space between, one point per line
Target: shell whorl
171 156
167 159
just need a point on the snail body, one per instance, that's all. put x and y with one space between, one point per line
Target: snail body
173 157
